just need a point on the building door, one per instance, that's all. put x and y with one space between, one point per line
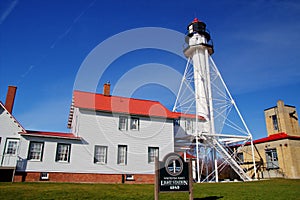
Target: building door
9 158
272 159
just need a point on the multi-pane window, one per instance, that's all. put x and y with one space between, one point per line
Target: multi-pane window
153 152
100 154
188 125
123 123
35 151
275 122
129 177
12 147
63 152
135 123
240 157
122 154
272 159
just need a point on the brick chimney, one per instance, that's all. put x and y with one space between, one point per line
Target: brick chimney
106 89
10 98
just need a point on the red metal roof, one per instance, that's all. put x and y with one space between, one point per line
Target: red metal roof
195 20
124 105
188 156
186 115
274 137
50 134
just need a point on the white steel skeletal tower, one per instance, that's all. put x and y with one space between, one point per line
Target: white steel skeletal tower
217 131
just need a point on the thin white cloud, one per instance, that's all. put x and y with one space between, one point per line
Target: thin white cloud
69 28
7 10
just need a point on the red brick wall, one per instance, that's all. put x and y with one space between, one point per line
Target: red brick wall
142 178
80 177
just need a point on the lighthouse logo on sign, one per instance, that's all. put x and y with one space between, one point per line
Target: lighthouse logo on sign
174 165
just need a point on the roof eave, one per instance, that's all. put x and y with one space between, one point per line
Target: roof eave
50 136
126 113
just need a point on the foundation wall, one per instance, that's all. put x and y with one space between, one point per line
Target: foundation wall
83 178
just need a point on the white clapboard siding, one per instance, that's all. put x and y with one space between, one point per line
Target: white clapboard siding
100 128
48 163
9 129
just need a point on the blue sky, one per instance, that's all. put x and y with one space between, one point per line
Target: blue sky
43 44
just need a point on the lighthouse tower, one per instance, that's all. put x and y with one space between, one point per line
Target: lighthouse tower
198 50
217 135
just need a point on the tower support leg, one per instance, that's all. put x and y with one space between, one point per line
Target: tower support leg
198 160
216 166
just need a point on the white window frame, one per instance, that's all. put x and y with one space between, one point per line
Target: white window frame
35 152
122 154
272 158
63 152
44 176
123 126
188 125
10 154
134 123
12 146
152 153
129 177
100 154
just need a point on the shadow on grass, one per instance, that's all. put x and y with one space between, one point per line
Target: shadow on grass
209 198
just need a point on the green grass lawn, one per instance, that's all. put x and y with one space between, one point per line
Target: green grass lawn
267 189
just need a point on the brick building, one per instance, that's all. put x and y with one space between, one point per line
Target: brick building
277 156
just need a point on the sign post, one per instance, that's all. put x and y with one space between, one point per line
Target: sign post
156 186
173 174
191 195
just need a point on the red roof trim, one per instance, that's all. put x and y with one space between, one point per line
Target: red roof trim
50 134
117 104
190 116
274 137
188 156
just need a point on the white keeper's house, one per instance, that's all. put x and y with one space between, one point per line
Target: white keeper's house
112 139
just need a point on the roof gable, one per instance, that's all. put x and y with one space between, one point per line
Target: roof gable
13 119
